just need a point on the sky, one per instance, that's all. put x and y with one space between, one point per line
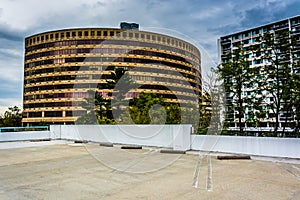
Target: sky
204 21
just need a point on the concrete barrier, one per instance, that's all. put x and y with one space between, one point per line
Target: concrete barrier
260 146
24 135
176 137
169 136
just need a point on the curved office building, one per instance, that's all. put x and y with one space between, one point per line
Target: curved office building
62 65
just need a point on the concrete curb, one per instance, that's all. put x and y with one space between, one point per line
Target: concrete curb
80 141
106 144
172 151
131 147
234 157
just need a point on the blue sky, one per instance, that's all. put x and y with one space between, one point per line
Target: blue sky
203 21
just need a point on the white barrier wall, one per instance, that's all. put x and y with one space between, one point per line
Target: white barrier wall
24 135
171 136
261 146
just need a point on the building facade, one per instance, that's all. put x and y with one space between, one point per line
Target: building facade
252 38
61 66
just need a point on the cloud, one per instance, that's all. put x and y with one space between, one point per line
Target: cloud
8 33
249 14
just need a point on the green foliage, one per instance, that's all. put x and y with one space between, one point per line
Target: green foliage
277 72
146 109
152 109
140 107
12 117
205 113
174 114
97 109
236 73
295 102
123 84
276 78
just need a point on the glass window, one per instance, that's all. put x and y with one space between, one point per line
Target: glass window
158 38
42 38
62 35
73 34
104 33
148 37
130 35
47 37
51 36
37 39
143 36
153 37
92 33
79 33
53 113
136 35
35 114
56 36
111 33
124 34
98 33
67 34
86 33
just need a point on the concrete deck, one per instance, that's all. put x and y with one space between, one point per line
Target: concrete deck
65 170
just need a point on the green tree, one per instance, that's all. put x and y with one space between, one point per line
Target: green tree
174 114
276 74
12 117
150 108
1 121
122 85
140 108
97 109
236 73
295 101
205 113
102 110
118 108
